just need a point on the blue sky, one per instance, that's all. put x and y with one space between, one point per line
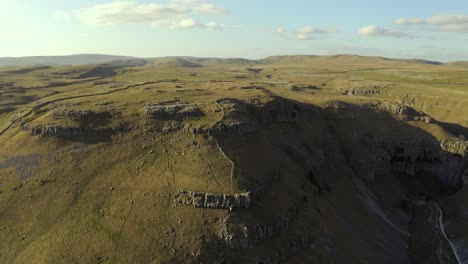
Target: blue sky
430 29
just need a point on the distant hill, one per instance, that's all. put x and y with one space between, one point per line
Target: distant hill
225 61
459 63
175 62
72 60
342 58
204 61
419 61
186 61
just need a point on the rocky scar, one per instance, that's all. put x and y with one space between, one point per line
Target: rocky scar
175 111
214 201
57 131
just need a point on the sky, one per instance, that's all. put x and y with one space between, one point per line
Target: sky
427 29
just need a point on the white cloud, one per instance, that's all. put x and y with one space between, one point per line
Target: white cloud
280 30
304 33
186 24
446 22
62 15
376 31
309 32
214 26
210 9
189 23
188 1
175 14
409 21
121 12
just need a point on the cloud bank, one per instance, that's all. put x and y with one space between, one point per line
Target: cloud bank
175 14
447 22
377 31
305 33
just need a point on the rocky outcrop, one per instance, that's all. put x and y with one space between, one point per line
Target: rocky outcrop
397 109
241 117
214 201
405 112
57 131
426 119
458 146
234 128
280 110
362 91
176 111
72 114
235 235
445 166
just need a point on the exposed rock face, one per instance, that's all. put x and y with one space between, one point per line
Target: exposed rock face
240 117
458 146
447 167
214 201
280 111
397 109
406 112
72 114
235 235
238 128
56 131
335 105
171 126
177 111
426 119
362 91
171 116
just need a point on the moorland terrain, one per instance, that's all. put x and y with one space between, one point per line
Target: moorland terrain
288 159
